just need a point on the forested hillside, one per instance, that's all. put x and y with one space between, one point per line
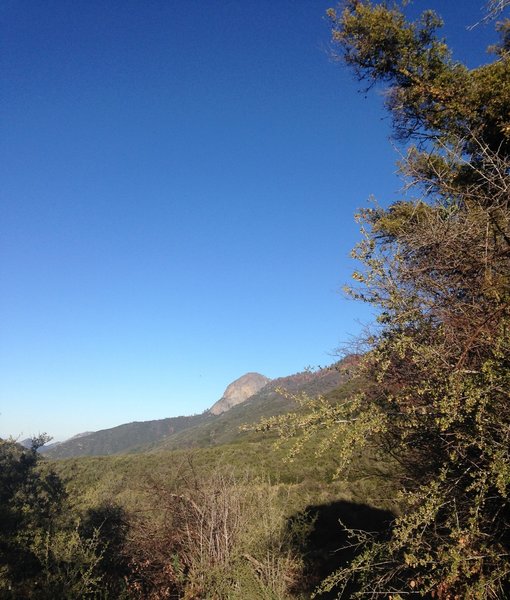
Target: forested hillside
129 437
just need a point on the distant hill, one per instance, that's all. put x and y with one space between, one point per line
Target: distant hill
218 425
129 437
47 447
267 402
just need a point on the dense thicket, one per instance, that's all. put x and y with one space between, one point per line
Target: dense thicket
48 551
436 265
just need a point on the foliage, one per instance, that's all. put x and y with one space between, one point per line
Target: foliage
162 491
214 536
47 552
431 97
28 504
437 267
95 480
129 437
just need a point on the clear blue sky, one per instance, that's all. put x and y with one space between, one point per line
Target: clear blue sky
178 187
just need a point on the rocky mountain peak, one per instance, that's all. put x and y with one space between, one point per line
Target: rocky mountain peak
239 391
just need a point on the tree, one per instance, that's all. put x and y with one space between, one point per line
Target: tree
29 501
46 550
437 267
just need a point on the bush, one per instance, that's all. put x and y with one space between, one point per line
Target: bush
219 536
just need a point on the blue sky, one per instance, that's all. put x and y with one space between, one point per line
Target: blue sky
179 181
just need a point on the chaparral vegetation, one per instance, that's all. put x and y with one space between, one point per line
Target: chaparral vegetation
392 483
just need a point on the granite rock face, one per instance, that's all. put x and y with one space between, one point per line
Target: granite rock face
239 391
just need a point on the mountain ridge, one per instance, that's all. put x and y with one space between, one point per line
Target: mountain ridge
206 428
